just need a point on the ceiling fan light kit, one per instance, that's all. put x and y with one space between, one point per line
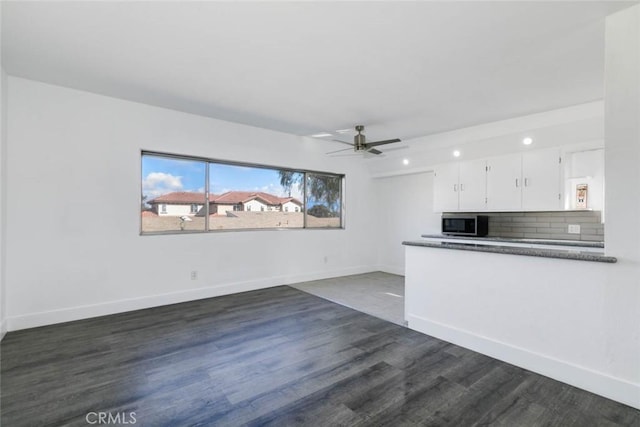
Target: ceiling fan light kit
360 143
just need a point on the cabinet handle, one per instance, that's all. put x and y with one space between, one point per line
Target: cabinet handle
526 182
455 187
461 187
516 182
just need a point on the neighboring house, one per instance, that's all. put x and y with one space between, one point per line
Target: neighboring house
252 201
177 204
188 203
291 205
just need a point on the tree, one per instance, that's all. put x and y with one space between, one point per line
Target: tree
320 189
320 211
325 189
288 178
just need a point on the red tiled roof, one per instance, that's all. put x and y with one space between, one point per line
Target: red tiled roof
179 197
235 197
230 197
290 199
148 213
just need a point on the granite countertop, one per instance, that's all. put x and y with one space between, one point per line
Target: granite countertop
514 250
577 243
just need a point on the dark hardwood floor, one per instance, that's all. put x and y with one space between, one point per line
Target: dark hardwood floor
275 357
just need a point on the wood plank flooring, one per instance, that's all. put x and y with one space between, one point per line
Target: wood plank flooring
273 357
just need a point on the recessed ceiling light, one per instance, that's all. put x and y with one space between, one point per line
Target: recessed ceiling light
405 161
456 153
527 141
321 135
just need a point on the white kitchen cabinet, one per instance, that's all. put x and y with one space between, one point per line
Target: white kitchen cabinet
460 186
473 185
446 187
541 185
504 183
529 181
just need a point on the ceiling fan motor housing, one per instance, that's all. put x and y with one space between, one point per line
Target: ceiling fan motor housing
359 141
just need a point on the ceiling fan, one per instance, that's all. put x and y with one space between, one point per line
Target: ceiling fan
361 145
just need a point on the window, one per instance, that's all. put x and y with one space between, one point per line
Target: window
324 201
240 196
171 187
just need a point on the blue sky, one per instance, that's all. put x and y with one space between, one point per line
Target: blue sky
161 175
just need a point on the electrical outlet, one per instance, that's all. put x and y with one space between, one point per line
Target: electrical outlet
574 229
194 275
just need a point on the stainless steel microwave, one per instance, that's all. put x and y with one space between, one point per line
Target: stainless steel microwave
465 225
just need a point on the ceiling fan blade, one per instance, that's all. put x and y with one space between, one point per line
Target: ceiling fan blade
395 148
343 142
338 151
345 155
387 141
374 151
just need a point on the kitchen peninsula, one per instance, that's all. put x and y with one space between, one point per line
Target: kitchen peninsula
527 304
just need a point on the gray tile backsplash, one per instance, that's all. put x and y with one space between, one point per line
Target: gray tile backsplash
546 225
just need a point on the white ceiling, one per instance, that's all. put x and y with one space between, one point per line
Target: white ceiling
403 69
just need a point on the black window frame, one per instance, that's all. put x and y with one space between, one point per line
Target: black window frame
305 173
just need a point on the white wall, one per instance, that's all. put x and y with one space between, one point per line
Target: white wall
405 211
290 207
254 206
586 167
74 151
621 301
3 205
177 210
3 129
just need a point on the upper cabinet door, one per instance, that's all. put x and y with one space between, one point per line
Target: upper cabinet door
504 183
445 188
472 185
541 180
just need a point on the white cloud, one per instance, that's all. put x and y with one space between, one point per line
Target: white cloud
278 190
158 183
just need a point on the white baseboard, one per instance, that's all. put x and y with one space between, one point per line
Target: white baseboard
3 329
392 269
69 314
596 382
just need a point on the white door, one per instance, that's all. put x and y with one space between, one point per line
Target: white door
504 183
541 180
445 188
473 185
